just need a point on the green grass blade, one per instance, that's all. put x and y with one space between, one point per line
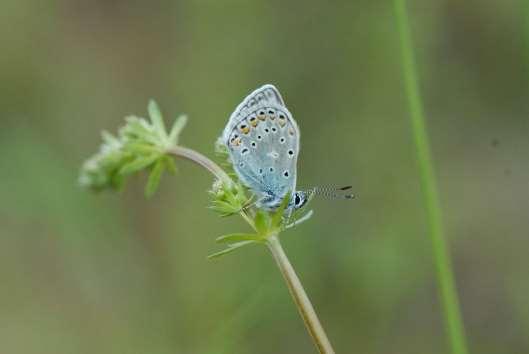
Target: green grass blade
445 277
525 24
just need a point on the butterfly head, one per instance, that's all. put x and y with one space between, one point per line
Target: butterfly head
298 200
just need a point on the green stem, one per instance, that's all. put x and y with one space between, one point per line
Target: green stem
294 285
300 297
201 160
445 277
216 170
525 23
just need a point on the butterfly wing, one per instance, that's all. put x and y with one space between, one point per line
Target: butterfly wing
264 96
263 142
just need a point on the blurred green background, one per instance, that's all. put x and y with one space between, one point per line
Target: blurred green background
115 273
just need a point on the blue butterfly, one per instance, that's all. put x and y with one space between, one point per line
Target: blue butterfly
262 139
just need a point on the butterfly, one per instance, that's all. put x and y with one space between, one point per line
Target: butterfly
262 139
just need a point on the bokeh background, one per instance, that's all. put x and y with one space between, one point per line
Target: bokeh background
116 273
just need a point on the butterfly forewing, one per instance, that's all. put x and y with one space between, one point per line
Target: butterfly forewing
263 142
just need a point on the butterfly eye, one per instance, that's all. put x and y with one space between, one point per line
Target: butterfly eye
286 174
297 200
274 129
272 114
254 144
282 140
290 152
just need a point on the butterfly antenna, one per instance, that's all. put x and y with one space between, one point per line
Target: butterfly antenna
333 192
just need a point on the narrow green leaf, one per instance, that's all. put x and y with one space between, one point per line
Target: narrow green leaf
138 129
137 164
261 222
109 138
156 118
117 181
177 127
237 237
298 219
277 217
154 178
229 196
170 164
224 208
230 249
141 148
222 204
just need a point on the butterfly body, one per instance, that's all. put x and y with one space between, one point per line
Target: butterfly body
262 139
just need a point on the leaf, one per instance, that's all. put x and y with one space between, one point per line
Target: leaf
139 144
108 138
142 148
138 164
261 222
154 178
300 219
135 128
229 196
277 217
237 237
224 208
156 118
177 127
170 164
230 249
138 129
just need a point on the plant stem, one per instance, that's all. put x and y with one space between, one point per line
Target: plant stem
199 159
300 297
293 283
525 24
216 170
445 276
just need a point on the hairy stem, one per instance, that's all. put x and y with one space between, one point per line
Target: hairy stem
199 159
300 297
216 170
445 275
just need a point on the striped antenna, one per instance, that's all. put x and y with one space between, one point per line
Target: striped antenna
332 192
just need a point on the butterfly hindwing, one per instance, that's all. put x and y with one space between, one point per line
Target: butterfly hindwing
263 142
